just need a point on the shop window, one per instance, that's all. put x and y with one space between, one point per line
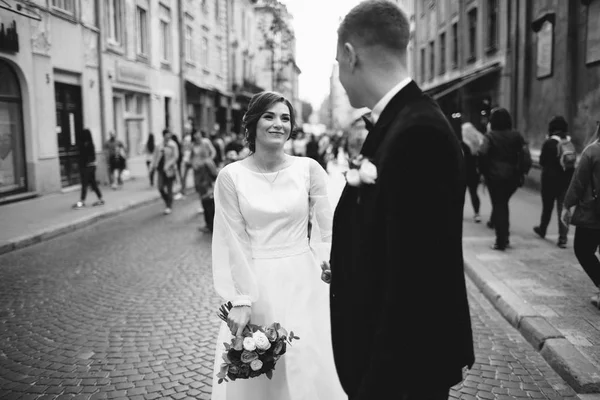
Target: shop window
12 153
165 34
129 102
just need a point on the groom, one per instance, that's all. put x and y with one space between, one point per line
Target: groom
399 311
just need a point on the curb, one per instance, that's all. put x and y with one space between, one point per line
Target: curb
52 232
562 355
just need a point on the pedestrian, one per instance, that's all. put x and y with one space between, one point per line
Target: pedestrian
504 160
219 146
471 140
399 207
149 152
262 261
116 153
557 160
179 177
205 175
312 147
186 148
165 165
581 208
87 165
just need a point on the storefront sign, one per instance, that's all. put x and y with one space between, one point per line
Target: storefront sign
545 50
132 75
9 38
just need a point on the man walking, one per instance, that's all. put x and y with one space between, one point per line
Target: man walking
396 257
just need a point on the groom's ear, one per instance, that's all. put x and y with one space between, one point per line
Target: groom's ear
351 56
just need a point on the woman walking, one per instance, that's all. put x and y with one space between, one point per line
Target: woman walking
581 195
165 164
471 140
149 151
87 164
205 173
501 161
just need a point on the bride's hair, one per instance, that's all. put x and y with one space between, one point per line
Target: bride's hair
259 104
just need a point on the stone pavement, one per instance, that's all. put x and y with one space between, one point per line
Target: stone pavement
540 289
35 220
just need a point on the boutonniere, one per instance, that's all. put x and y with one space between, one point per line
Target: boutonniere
362 172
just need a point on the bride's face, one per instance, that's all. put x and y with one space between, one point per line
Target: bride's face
274 126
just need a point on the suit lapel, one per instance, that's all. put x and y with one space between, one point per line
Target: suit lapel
409 93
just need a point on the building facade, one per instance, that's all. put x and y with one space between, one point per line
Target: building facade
45 89
128 67
557 59
462 52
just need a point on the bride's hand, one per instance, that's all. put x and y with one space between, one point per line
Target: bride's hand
326 272
238 318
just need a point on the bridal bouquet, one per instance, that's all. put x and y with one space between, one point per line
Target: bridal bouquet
257 353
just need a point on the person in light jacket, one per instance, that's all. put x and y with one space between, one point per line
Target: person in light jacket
580 210
165 164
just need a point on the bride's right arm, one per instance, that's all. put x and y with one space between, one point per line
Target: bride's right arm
233 276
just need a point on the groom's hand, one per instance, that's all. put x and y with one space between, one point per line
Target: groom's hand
238 318
326 272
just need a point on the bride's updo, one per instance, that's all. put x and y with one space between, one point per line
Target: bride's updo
259 104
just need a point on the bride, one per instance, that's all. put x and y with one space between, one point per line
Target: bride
264 262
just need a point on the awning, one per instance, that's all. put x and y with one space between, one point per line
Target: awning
464 80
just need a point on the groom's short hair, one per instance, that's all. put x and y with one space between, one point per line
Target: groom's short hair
376 23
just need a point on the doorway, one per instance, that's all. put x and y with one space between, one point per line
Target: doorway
69 123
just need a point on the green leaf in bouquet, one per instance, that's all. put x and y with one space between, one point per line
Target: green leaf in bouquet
282 332
269 374
227 346
220 380
226 359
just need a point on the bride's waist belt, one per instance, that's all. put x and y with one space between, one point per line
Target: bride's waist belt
281 250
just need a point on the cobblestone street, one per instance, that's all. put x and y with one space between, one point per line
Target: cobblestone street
125 309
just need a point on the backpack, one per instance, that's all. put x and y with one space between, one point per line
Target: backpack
567 156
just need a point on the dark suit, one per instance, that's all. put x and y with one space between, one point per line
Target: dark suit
399 311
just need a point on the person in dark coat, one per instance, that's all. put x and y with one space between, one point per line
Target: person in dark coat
500 160
87 166
582 211
387 220
555 179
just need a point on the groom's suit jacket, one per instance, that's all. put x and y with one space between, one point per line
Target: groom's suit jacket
399 311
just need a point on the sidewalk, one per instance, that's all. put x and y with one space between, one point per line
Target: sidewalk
31 221
544 293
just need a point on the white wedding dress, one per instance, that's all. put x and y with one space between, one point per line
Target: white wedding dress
262 254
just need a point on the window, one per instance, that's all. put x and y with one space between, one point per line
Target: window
189 48
442 11
472 18
114 27
219 61
442 53
216 10
431 60
205 55
423 63
244 23
142 31
165 34
455 45
204 6
492 24
65 5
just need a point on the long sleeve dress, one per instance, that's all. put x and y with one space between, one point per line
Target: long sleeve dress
262 255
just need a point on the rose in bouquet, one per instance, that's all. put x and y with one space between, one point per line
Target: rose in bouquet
256 352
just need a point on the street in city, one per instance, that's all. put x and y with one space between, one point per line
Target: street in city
125 308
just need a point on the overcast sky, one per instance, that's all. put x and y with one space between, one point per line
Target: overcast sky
315 25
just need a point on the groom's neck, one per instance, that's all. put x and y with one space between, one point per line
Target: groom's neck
380 81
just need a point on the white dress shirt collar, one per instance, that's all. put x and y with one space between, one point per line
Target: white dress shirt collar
383 102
